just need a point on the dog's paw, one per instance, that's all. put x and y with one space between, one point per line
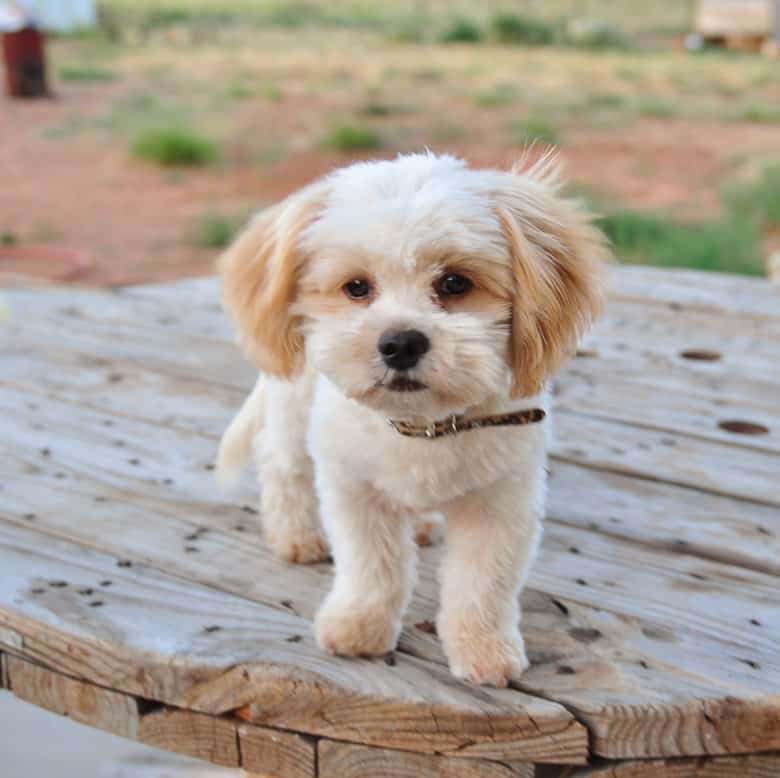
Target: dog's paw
355 630
488 659
301 545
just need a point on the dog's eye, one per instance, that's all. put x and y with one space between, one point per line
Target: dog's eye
452 284
357 288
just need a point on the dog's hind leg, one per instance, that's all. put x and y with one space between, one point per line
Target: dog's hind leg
289 506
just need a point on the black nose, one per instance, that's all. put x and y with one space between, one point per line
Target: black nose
402 349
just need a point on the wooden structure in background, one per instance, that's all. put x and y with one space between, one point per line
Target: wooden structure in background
136 598
750 24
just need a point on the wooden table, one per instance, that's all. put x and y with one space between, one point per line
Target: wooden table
137 598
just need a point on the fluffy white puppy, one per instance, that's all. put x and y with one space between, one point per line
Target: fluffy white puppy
440 299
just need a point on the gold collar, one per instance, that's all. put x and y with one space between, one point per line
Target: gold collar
455 424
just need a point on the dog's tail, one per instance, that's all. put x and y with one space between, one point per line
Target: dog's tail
235 447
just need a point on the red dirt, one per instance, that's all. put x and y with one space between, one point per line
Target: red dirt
136 221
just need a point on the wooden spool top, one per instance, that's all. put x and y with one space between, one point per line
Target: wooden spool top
136 597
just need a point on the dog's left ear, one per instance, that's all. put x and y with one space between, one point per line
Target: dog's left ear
557 264
260 272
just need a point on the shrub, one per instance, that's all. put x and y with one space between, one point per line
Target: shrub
461 31
8 238
348 137
85 73
171 146
512 28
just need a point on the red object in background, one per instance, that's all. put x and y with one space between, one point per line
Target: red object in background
25 66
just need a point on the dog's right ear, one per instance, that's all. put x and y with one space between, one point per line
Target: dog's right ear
260 274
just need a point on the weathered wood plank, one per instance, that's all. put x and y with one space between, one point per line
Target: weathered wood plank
173 641
210 738
274 753
83 702
228 553
341 760
193 407
752 766
589 387
678 289
717 468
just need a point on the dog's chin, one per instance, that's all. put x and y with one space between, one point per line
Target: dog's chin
403 396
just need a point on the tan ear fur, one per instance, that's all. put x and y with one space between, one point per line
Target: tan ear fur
260 274
557 262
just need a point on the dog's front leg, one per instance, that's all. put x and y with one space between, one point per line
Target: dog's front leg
492 538
374 553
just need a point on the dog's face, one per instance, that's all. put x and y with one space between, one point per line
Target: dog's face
418 286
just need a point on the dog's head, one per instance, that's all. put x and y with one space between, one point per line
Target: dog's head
418 286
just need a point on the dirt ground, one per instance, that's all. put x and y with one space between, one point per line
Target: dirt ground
67 181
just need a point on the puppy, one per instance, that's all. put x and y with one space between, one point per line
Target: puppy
405 316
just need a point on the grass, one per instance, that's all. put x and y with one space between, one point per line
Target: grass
523 30
462 31
214 231
727 246
758 201
500 94
86 73
8 238
351 137
761 114
174 147
376 109
656 108
535 129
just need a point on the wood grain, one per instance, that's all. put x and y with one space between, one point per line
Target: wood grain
275 753
767 766
210 738
170 640
652 613
341 760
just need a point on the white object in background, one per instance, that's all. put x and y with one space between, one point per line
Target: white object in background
12 17
54 15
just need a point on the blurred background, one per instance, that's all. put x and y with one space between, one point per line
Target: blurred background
165 123
136 137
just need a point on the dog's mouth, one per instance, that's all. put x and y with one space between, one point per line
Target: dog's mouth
404 384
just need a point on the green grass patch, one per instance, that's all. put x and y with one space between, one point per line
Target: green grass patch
86 73
606 101
351 137
174 147
376 109
758 201
521 30
656 108
238 90
409 29
8 238
462 31
760 114
728 246
500 94
214 231
595 35
535 129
